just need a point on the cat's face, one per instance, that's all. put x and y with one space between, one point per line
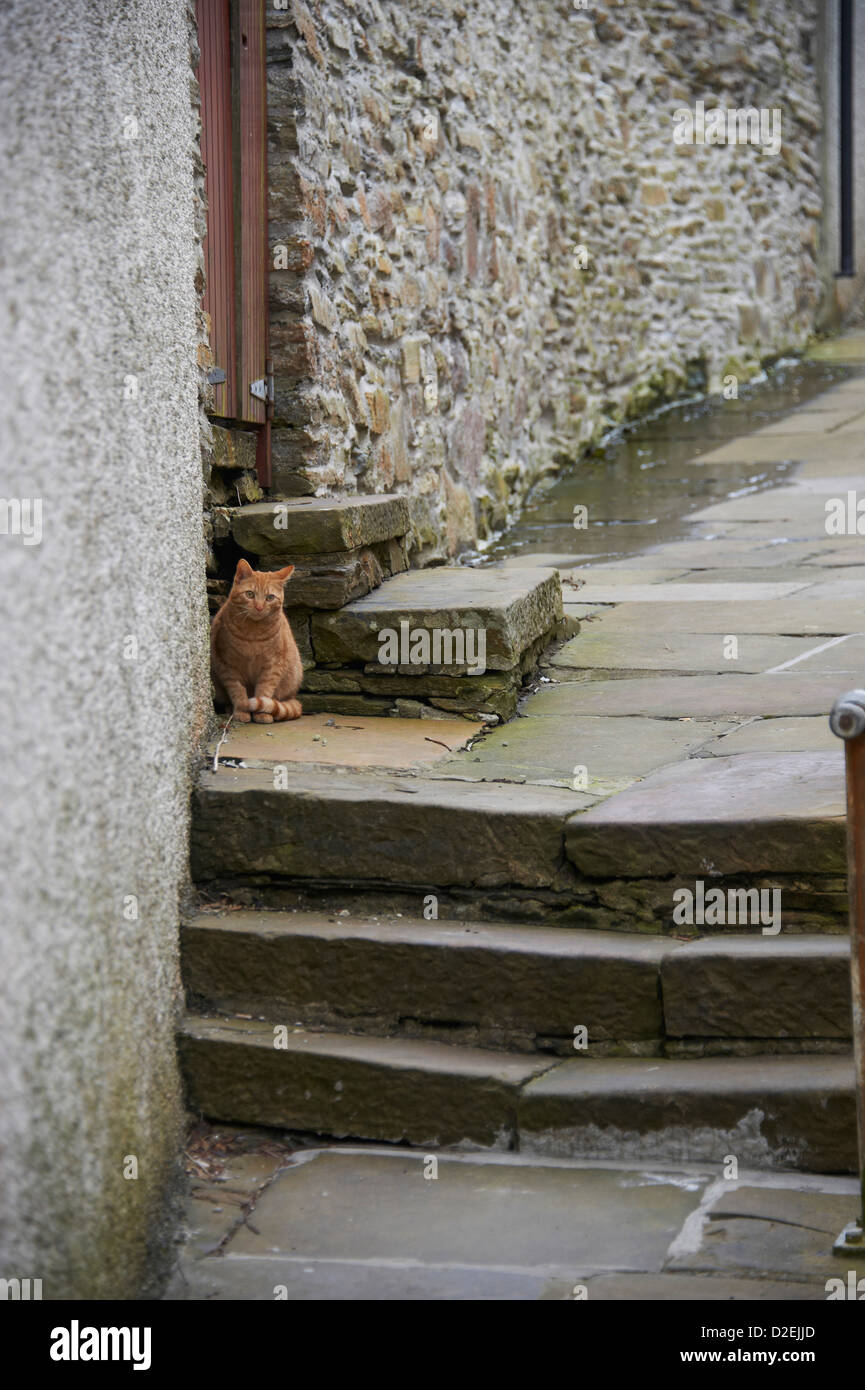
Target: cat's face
257 594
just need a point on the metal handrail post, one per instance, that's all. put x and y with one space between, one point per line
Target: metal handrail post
847 720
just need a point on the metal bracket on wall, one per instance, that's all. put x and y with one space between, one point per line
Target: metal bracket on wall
262 389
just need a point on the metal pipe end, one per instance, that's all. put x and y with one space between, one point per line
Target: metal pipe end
847 719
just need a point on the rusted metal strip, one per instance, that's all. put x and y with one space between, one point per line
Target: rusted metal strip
214 76
847 720
252 115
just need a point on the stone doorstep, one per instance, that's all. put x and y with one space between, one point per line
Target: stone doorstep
794 1112
320 525
332 580
516 983
234 449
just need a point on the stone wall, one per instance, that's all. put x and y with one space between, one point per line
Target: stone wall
104 676
432 170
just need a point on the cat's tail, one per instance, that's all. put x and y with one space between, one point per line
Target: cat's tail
277 709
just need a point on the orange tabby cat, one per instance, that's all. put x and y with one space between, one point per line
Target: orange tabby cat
254 660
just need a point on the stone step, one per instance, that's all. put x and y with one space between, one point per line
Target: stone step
747 814
512 608
318 525
779 987
779 1112
518 987
352 1087
455 639
506 851
776 1111
340 549
293 824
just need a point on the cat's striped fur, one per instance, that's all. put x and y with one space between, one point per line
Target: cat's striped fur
254 660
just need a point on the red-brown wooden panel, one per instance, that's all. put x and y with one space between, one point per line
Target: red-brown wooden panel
252 111
214 76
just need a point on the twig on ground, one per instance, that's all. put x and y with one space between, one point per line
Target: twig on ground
221 741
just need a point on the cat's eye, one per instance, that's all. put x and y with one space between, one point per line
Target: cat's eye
249 593
271 598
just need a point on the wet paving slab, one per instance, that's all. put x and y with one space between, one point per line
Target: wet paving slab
640 489
269 1219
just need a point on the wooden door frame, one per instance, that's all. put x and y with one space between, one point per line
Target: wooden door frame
233 82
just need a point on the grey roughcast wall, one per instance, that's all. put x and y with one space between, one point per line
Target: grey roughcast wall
104 675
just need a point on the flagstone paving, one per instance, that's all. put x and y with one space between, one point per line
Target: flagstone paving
676 731
271 1220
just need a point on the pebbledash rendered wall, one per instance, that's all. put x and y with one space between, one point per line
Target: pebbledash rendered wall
434 170
103 630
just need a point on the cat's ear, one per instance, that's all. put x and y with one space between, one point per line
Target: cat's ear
243 571
283 575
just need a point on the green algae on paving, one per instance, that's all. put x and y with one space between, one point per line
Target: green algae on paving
793 617
597 648
692 591
548 749
682 697
849 347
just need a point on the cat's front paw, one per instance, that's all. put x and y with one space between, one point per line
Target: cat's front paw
242 716
262 719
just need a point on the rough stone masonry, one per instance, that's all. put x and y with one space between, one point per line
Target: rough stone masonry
434 172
